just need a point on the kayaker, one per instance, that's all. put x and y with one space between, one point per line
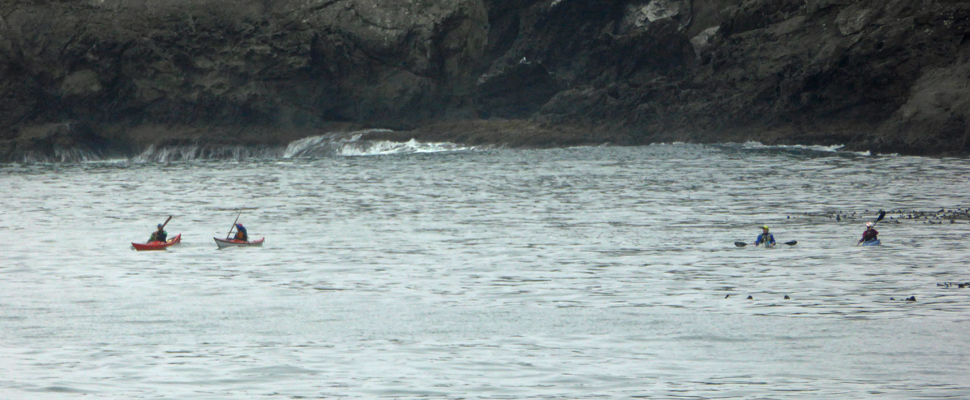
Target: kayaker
241 233
159 235
765 237
870 234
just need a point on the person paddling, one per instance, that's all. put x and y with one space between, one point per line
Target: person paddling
870 234
241 233
765 237
159 235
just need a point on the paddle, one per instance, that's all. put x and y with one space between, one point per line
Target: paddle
882 214
742 244
234 222
166 221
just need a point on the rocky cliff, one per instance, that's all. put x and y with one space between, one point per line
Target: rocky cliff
115 76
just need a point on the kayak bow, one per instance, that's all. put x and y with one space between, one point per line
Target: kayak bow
156 245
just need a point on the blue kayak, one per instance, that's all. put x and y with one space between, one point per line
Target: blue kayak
871 243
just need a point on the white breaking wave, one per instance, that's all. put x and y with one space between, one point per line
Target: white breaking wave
368 148
324 145
328 145
754 145
307 146
203 152
824 149
349 144
61 156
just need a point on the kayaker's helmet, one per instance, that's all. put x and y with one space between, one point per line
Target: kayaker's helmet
868 224
765 227
159 226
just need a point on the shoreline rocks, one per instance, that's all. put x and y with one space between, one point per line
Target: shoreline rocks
115 76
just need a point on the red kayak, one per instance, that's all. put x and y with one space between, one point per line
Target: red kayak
158 245
222 243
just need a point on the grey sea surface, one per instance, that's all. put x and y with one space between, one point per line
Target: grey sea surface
501 274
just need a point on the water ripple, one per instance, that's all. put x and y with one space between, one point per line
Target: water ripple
568 273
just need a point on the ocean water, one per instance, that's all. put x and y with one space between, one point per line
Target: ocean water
454 273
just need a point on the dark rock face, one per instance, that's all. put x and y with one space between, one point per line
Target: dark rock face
516 92
842 67
116 65
939 103
114 76
870 74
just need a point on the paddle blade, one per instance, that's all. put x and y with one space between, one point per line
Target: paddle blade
882 214
792 243
740 244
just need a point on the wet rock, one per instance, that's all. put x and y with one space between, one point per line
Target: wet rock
704 41
854 18
81 83
638 15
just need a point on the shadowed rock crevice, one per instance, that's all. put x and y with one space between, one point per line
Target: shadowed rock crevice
516 92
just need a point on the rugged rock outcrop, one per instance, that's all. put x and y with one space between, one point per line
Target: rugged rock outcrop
934 118
821 72
227 65
115 76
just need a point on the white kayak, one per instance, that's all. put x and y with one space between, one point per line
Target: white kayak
223 243
766 245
